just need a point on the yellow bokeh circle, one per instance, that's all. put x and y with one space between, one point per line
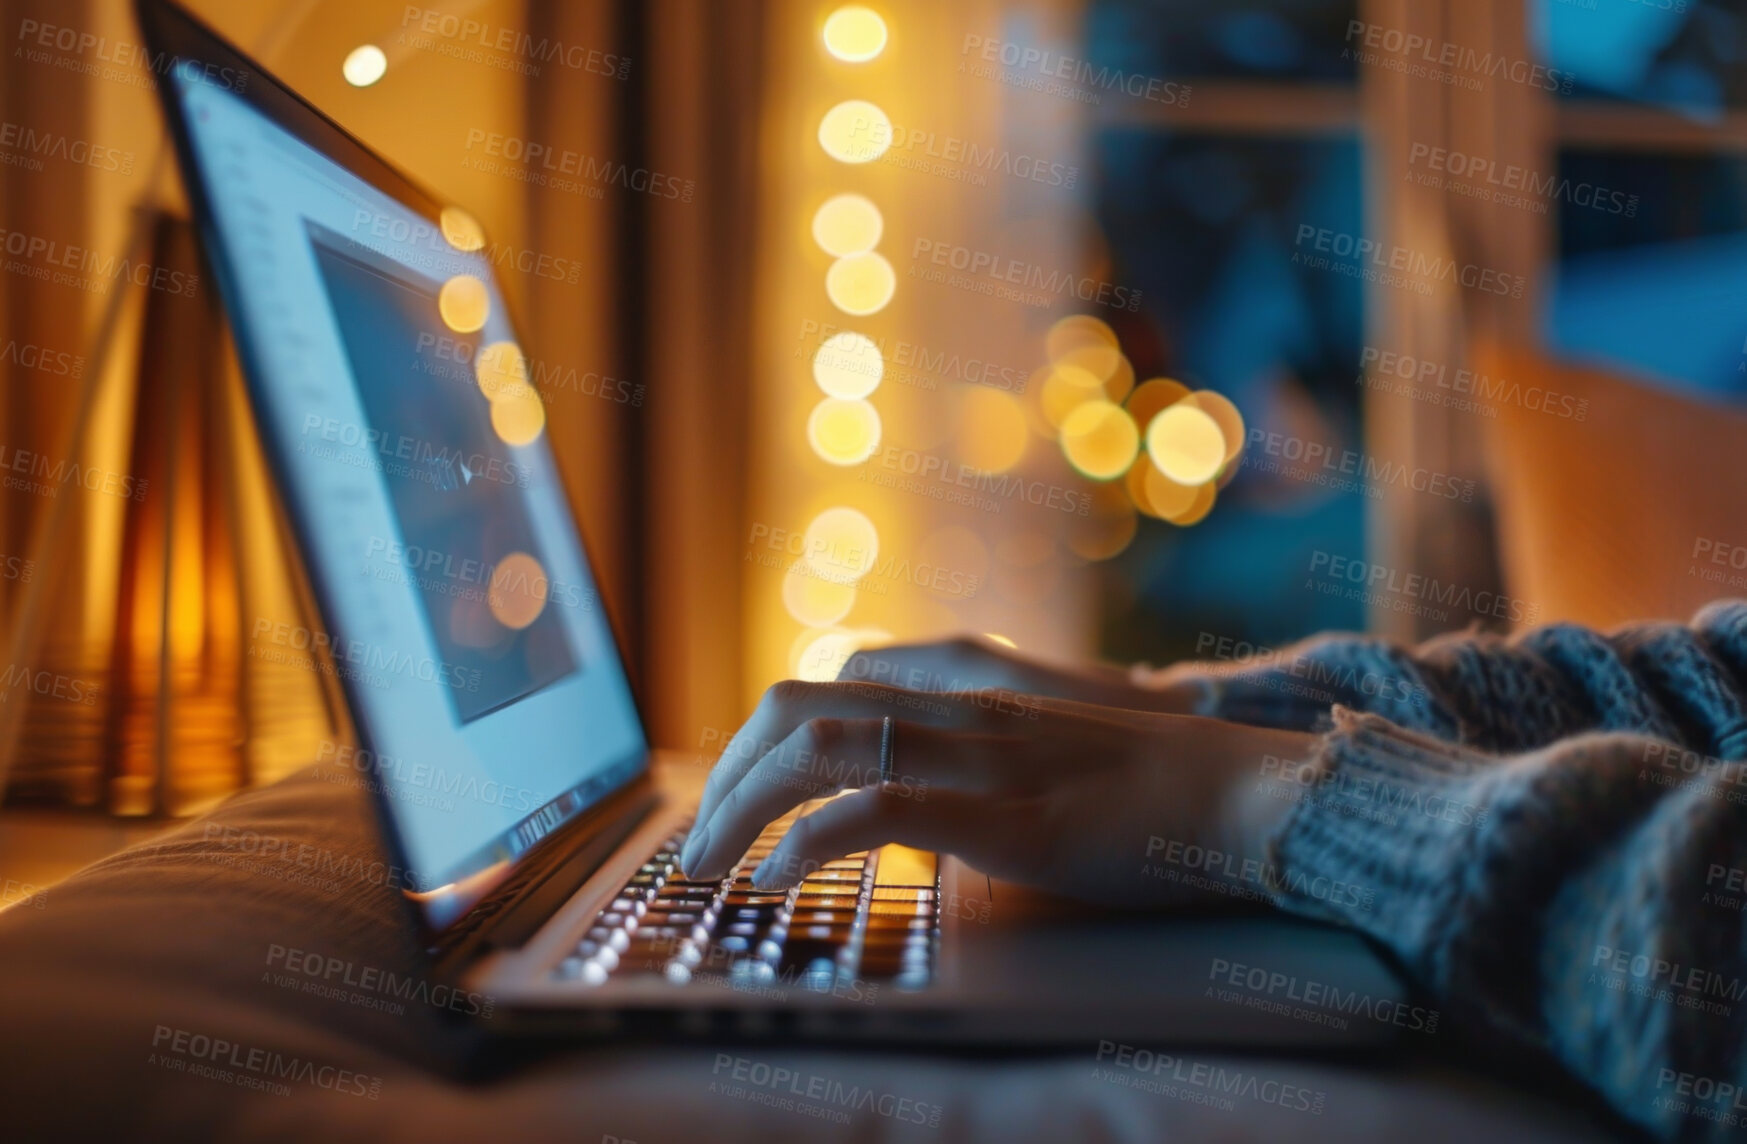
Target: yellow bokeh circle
518 416
460 229
848 365
847 224
841 544
855 34
464 303
364 65
1186 444
855 131
1100 439
861 284
843 432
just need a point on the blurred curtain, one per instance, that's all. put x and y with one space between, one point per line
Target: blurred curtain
1509 123
659 486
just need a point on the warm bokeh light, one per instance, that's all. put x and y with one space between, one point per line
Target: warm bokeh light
849 365
498 368
855 34
518 590
855 131
841 544
847 224
991 430
1092 364
518 416
1186 444
844 432
861 284
1158 494
1225 415
1198 510
1077 331
1152 397
813 600
1002 640
1100 440
461 230
1065 390
364 65
464 304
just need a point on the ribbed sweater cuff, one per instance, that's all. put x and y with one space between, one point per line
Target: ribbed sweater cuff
1390 817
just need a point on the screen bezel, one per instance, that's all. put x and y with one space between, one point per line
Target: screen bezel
166 27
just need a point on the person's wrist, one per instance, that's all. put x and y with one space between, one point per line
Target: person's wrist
1254 807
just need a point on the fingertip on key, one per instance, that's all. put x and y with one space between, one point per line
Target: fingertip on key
694 851
771 876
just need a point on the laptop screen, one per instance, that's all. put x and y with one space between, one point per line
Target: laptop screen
409 440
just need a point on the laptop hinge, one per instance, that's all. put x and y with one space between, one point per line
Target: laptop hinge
552 873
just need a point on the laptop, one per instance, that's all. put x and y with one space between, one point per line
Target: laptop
538 830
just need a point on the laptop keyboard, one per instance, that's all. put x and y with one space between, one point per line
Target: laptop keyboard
845 926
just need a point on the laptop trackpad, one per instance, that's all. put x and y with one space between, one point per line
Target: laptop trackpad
1061 970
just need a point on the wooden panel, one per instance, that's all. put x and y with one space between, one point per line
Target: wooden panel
1621 515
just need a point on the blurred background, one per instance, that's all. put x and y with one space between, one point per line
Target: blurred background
1123 329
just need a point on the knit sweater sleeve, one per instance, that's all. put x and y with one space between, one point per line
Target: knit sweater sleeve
1666 680
1577 884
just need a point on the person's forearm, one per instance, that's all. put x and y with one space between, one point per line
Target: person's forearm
1257 802
1107 685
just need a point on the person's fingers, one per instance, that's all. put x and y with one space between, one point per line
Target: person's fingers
824 756
963 663
862 820
789 704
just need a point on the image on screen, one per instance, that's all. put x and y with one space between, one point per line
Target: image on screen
457 489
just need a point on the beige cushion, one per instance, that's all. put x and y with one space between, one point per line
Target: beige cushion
176 934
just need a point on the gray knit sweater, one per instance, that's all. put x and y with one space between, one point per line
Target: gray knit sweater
1555 827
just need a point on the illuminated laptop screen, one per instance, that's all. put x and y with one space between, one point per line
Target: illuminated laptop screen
410 444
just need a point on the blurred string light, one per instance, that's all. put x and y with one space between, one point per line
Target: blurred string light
848 365
844 432
464 304
518 416
461 230
844 428
842 543
364 65
855 131
1100 439
847 224
1186 444
855 34
1166 450
861 284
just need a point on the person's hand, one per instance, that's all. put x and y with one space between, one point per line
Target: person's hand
1066 797
967 663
